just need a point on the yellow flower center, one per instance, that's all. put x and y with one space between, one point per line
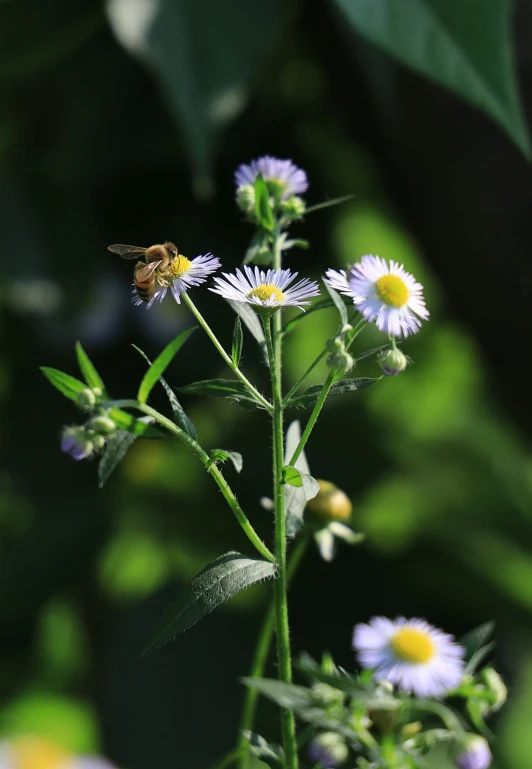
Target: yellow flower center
178 267
413 645
392 290
266 291
38 753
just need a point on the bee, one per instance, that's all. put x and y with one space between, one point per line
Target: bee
151 271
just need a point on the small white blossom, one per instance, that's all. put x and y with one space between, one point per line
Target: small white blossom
265 289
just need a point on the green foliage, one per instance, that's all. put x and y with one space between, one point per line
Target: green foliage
180 417
272 755
338 303
238 341
263 208
328 203
68 385
221 455
223 388
215 584
295 477
161 363
311 395
125 421
88 370
252 322
464 46
294 497
478 645
114 451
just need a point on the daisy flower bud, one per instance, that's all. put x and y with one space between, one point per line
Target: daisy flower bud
102 425
392 361
330 503
328 749
245 198
472 752
76 441
86 399
341 362
293 208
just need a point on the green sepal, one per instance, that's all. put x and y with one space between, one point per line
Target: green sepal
339 304
160 364
180 417
88 369
114 451
310 396
68 385
272 755
125 421
328 203
238 341
263 209
221 455
215 584
295 477
222 388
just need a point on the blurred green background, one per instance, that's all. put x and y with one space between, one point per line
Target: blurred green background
124 122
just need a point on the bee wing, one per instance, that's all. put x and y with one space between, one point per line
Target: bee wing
127 252
146 271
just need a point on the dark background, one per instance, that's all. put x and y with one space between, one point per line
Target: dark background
437 462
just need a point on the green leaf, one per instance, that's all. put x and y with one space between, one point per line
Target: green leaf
341 387
180 417
88 370
137 426
328 203
339 303
290 696
68 385
322 304
259 250
221 455
161 363
295 477
222 388
113 453
295 499
215 584
477 644
262 204
238 341
465 46
252 322
272 755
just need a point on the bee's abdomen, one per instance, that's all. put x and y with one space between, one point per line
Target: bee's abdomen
145 291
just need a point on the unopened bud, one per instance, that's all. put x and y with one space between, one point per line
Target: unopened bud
330 503
393 361
76 441
86 399
293 208
102 425
99 441
245 198
497 688
328 749
472 752
340 362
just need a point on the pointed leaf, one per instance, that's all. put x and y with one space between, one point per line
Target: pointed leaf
160 364
328 203
465 46
220 455
339 303
477 644
295 477
262 204
238 341
135 425
252 322
295 500
259 250
68 385
311 395
88 370
272 755
113 453
215 584
180 417
290 696
222 388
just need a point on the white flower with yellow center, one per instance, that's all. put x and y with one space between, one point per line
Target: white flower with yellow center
383 292
179 276
268 290
411 654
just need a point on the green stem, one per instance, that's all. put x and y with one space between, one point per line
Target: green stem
261 653
227 358
302 379
224 487
288 724
313 417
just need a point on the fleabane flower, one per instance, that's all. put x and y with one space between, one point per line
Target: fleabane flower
411 654
181 275
473 752
266 290
383 292
76 441
283 178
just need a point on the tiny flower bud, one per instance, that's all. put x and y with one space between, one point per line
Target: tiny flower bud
76 442
97 391
472 752
328 749
497 688
293 208
393 361
346 329
99 441
86 399
245 198
330 503
328 695
340 362
102 425
335 344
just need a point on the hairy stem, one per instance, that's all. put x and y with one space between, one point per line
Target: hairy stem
313 417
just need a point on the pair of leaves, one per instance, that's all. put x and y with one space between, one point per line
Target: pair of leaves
223 388
215 584
310 396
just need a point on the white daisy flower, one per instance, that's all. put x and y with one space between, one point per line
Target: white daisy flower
411 654
181 275
383 292
265 289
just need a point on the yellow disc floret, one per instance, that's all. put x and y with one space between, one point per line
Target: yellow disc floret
267 291
413 645
38 753
392 290
178 267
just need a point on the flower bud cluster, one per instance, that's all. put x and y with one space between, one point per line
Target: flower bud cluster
83 441
339 360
